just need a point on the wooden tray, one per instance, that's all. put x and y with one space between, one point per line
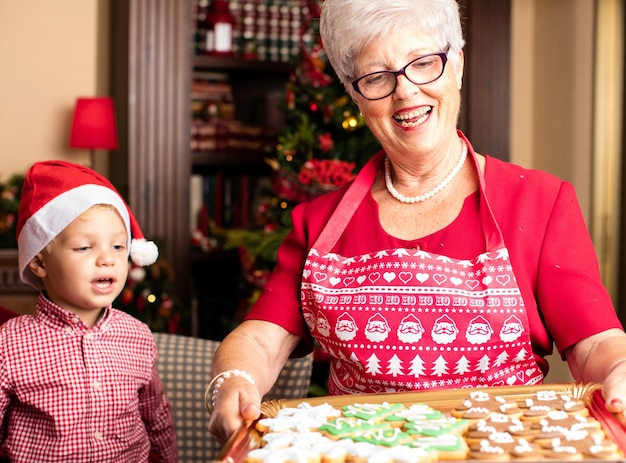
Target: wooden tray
248 438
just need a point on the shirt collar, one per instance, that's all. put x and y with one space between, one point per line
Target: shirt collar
59 318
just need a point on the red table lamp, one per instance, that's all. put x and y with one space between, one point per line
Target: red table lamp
93 125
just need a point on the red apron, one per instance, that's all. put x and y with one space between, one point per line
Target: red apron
406 319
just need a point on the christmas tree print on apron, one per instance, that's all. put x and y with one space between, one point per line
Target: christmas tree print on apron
406 319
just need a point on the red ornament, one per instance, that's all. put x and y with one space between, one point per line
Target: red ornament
127 296
326 142
219 29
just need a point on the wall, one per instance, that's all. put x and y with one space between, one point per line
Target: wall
552 91
51 53
551 100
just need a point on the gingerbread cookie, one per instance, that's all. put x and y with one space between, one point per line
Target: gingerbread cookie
542 402
497 423
481 404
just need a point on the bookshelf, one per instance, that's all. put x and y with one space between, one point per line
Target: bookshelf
235 119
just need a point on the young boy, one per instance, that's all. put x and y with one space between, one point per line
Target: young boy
78 380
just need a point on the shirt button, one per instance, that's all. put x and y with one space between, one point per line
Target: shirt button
97 435
89 335
75 319
67 329
96 384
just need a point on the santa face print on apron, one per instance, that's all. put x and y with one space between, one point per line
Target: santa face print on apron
406 319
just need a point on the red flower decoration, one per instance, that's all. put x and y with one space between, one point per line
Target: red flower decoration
305 177
326 142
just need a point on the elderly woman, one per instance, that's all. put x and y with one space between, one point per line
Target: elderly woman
437 267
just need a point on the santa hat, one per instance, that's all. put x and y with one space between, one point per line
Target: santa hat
57 192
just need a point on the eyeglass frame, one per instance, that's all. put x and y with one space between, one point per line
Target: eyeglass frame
444 60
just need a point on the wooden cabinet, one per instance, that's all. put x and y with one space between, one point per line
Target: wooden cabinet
235 177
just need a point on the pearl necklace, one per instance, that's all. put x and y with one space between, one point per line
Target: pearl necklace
418 199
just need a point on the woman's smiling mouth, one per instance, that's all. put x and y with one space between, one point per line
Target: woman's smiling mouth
413 118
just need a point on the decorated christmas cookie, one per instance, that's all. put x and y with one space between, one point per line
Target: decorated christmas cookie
375 412
525 450
497 423
341 427
558 424
481 404
302 418
446 446
548 400
414 412
487 450
436 427
387 436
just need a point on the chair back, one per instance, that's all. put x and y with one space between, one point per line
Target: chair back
185 368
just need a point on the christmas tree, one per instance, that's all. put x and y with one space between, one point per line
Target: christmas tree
322 146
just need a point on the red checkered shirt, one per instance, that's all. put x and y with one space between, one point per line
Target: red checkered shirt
70 393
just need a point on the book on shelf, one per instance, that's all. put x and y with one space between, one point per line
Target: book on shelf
195 203
230 135
227 199
212 96
210 76
205 90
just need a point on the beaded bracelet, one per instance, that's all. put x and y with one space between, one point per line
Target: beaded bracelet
214 386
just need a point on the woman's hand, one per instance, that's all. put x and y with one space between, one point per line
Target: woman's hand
245 367
614 391
601 358
237 401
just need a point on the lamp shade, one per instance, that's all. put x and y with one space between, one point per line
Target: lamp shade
93 124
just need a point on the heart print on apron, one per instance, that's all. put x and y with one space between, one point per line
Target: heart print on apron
406 319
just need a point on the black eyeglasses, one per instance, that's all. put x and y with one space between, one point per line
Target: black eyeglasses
422 70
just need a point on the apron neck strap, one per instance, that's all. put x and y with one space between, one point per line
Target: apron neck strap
362 185
348 205
491 229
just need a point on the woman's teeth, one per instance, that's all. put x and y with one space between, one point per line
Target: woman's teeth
412 118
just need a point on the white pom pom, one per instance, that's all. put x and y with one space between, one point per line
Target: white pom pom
143 252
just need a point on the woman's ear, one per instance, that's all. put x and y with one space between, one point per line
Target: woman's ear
459 69
36 265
